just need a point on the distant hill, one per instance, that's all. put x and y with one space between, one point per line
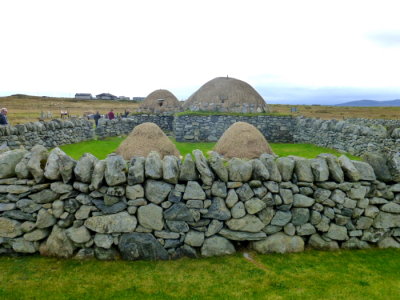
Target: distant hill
371 103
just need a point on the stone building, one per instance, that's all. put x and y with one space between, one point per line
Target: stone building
226 94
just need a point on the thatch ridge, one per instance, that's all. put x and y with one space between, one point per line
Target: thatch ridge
145 138
242 140
152 103
226 94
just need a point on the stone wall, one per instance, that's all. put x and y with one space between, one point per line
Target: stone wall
150 208
125 125
49 134
191 128
355 136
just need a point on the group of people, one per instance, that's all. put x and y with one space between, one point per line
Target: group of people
3 116
110 116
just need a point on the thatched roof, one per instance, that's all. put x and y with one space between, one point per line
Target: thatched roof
226 94
160 101
242 140
145 138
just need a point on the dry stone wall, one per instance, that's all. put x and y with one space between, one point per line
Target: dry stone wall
49 134
150 208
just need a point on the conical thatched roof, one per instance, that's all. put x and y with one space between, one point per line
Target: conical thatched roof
144 138
227 95
160 101
242 140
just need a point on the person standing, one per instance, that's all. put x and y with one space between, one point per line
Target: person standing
3 116
96 118
111 115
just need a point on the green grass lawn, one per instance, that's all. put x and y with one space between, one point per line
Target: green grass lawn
351 274
101 148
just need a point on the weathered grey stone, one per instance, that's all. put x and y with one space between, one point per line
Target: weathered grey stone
269 161
355 243
178 212
98 175
57 208
248 223
109 209
320 170
232 198
338 196
194 238
84 253
136 170
303 170
103 240
335 170
386 220
349 169
305 229
156 191
21 245
239 170
18 215
44 196
388 242
78 235
238 210
254 206
218 210
134 192
36 235
281 218
51 170
45 219
286 196
302 201
206 175
9 228
316 242
84 168
170 169
28 206
266 215
58 244
379 163
7 206
285 166
394 165
66 166
217 246
166 235
242 235
391 207
151 216
198 204
365 170
135 246
36 163
260 171
214 227
217 165
120 222
245 192
153 166
115 172
300 216
106 254
364 223
188 170
218 189
338 233
61 188
279 243
358 193
83 212
117 191
289 229
194 191
177 226
21 169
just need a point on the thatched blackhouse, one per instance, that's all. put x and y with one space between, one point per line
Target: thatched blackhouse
226 94
160 101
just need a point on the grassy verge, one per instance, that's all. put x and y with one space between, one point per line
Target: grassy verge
101 148
366 274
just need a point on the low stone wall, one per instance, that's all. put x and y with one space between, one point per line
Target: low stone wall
355 136
49 134
125 125
150 208
191 128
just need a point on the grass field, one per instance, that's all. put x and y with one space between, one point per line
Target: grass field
351 274
24 109
101 148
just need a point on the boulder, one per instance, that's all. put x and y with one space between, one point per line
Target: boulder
151 217
317 242
58 244
134 191
217 246
136 170
120 222
349 169
138 246
103 240
37 162
320 170
388 242
194 238
21 169
84 168
386 220
248 223
194 191
239 170
178 212
153 166
21 245
115 172
281 218
303 170
254 206
188 169
78 235
218 189
337 233
302 201
98 175
218 210
171 169
217 165
379 163
156 191
279 243
51 170
365 170
45 219
9 228
285 166
260 171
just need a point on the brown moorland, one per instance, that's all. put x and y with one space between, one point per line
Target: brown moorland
23 109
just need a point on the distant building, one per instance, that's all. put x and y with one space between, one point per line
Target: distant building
138 98
106 96
124 98
83 96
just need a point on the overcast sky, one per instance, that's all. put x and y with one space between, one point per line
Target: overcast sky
290 51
